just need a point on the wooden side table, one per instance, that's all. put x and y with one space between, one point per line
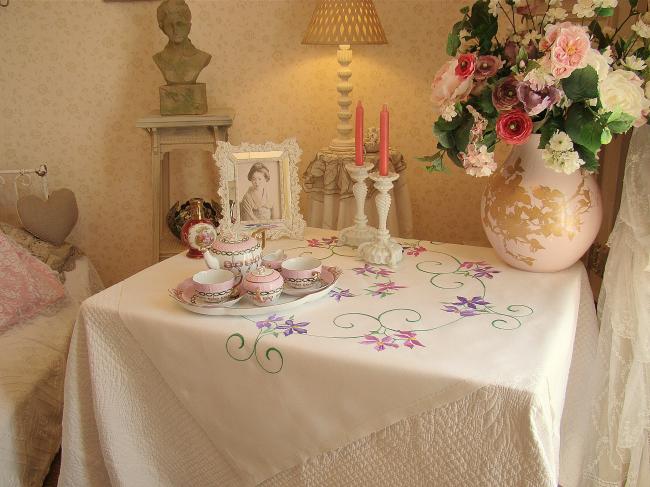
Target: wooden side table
193 132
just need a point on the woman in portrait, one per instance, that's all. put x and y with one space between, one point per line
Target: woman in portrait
258 202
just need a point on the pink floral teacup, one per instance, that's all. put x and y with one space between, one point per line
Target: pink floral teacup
215 285
301 272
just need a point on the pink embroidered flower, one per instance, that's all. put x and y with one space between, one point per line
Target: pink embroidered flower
504 96
466 65
448 88
486 67
379 344
514 127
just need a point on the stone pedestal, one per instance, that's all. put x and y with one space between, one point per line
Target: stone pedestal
188 99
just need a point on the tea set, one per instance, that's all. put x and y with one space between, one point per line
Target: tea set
238 268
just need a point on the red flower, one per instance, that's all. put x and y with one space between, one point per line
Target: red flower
514 127
504 96
466 65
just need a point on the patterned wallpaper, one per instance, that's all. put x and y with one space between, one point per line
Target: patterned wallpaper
75 75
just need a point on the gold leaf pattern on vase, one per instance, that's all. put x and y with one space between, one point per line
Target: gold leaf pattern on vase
521 216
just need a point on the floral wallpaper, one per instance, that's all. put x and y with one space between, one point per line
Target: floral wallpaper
75 75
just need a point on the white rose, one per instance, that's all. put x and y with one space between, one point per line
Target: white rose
622 90
642 26
599 62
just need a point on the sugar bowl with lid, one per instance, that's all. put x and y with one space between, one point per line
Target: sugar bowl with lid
263 286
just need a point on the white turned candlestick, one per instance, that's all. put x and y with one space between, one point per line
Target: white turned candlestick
360 232
382 249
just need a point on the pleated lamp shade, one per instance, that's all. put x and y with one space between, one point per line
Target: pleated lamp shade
345 22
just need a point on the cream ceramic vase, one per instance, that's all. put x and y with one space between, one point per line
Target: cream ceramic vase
538 219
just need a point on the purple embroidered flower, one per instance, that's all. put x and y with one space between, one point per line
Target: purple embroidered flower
463 312
379 344
415 251
470 303
330 240
313 242
486 271
362 270
409 338
269 322
383 289
469 264
339 293
290 327
383 272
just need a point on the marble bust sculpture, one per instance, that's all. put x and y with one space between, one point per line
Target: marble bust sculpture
180 62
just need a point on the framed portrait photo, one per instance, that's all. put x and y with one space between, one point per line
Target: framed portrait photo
259 187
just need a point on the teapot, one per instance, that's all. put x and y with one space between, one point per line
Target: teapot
239 253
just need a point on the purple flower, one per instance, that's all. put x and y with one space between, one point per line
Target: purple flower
383 272
537 100
511 50
269 322
415 251
409 338
470 303
383 289
340 293
290 326
469 264
379 344
463 312
366 268
504 96
486 271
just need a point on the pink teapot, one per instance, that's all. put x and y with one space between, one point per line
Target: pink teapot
236 252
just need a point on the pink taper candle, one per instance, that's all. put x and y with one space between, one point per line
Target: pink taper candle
358 135
383 141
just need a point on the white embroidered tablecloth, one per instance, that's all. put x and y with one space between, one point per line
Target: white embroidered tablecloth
450 369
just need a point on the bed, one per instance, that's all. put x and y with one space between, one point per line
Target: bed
33 355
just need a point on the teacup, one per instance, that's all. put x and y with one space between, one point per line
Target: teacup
215 285
301 272
274 260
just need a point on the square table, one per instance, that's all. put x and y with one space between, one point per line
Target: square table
450 369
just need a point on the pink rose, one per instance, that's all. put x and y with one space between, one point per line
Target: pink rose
514 127
552 31
466 65
504 96
448 88
569 45
486 67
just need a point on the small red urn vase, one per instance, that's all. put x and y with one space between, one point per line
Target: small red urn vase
198 233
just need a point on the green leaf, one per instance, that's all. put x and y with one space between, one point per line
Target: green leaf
462 133
590 158
437 165
621 124
489 139
445 126
633 3
548 129
582 84
597 32
583 127
464 10
484 103
445 138
484 24
604 11
453 155
453 40
606 136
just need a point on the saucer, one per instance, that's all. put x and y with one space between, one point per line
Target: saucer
184 293
314 288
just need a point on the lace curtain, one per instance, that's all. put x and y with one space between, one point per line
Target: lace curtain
620 445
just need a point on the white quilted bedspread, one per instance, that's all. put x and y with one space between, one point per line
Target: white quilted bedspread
128 421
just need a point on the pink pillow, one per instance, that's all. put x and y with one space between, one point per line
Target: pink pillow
27 285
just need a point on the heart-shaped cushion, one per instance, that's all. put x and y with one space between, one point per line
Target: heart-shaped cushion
50 220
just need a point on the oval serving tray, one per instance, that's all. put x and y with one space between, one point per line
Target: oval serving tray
329 275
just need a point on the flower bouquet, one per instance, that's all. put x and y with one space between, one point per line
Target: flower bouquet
575 84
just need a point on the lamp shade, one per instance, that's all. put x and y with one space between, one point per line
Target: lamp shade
345 22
